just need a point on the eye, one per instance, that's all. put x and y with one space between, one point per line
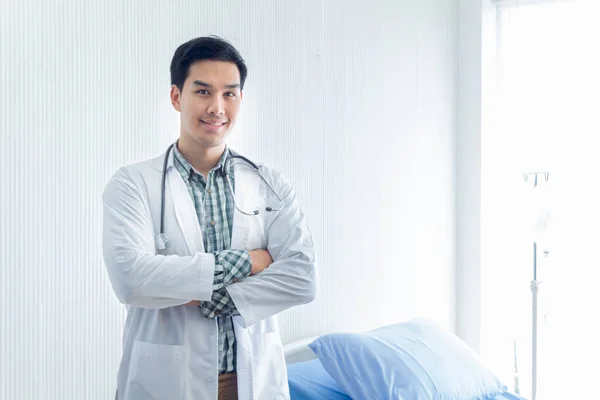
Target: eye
202 91
230 94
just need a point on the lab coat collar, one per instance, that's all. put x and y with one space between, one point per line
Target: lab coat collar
188 169
246 189
159 161
182 203
185 211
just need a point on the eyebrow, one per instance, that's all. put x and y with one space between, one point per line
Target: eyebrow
204 84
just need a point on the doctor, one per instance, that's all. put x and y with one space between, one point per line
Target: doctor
202 306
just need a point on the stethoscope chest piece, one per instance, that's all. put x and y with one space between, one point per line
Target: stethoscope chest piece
162 241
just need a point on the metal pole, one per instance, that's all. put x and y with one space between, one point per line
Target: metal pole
534 303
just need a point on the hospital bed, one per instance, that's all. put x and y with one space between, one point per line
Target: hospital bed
310 380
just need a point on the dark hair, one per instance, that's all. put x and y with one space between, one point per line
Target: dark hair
204 48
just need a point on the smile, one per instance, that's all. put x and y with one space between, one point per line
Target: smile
215 124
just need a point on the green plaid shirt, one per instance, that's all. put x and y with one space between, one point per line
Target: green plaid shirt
214 208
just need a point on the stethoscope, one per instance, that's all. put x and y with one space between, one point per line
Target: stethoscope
163 241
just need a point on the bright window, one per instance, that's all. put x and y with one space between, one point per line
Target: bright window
547 118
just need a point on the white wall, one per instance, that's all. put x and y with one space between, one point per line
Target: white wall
468 173
357 106
476 85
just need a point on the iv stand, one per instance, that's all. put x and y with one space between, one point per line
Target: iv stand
534 324
534 302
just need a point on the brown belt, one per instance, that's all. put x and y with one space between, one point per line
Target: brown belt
228 386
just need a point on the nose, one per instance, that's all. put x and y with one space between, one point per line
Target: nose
216 106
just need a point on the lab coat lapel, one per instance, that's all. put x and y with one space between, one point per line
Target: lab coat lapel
247 183
185 212
246 188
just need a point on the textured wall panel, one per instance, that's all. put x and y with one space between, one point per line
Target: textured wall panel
355 102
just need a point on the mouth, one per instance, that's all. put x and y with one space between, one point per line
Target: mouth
213 123
213 126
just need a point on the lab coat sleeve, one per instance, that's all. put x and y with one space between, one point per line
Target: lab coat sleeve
138 275
291 279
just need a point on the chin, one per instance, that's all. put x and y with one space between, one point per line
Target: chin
210 140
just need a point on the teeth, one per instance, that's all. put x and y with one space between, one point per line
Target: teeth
219 124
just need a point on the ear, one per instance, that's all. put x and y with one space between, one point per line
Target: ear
241 95
176 98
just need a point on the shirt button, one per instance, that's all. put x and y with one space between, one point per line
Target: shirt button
212 223
209 191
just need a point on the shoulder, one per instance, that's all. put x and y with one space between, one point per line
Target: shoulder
269 171
277 179
133 176
274 176
143 168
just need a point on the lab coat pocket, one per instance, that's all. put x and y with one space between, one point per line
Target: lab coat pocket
272 380
156 372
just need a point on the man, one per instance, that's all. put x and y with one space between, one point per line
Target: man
202 273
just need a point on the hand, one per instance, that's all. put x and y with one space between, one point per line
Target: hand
194 303
260 259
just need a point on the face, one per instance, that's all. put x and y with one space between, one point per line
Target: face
208 102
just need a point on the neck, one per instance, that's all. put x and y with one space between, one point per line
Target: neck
203 159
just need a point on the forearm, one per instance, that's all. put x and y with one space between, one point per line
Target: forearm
285 284
139 276
291 280
161 281
221 304
230 266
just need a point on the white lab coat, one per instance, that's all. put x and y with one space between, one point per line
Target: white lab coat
170 350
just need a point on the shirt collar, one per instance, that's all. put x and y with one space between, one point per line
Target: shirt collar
186 169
